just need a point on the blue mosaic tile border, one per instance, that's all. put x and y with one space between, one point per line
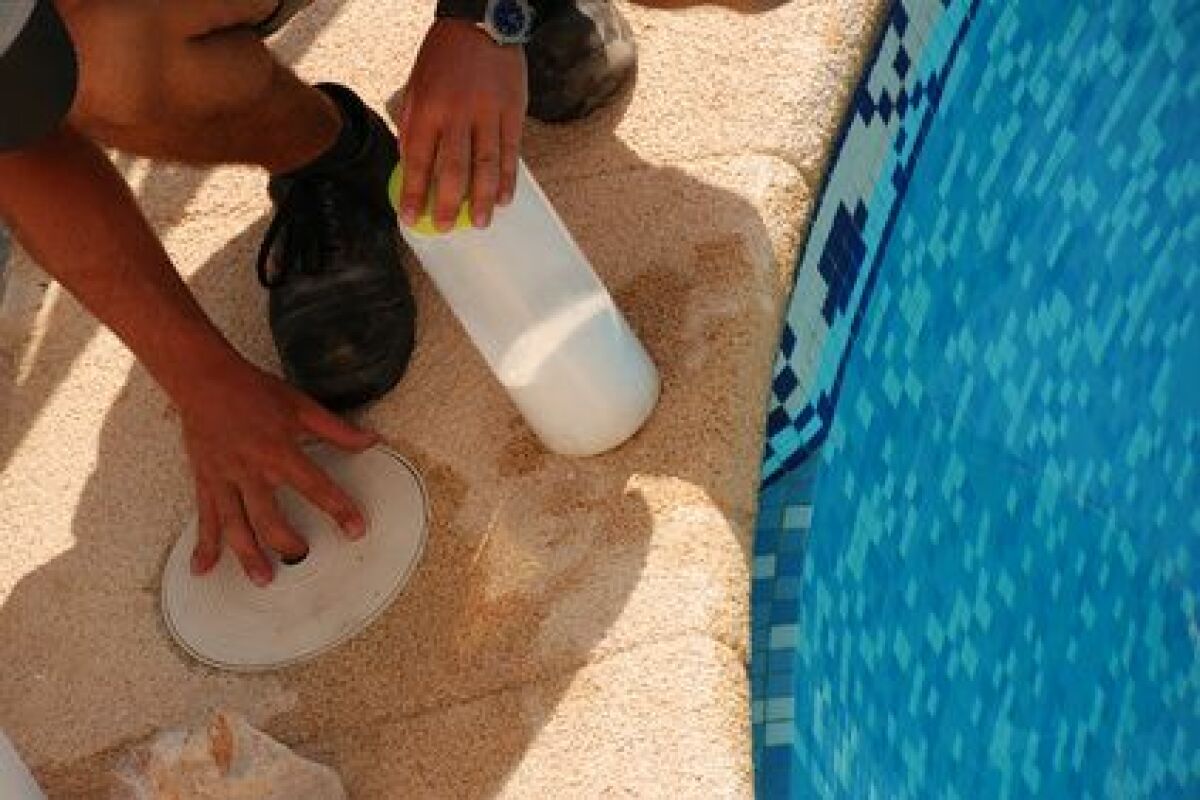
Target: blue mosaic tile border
890 115
893 106
780 544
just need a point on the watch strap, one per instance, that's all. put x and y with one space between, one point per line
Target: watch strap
472 10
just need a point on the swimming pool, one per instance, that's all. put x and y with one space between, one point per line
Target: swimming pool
978 550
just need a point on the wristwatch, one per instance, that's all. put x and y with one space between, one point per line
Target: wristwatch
508 22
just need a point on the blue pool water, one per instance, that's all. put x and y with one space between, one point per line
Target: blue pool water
977 562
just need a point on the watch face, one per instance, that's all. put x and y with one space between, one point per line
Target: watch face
511 19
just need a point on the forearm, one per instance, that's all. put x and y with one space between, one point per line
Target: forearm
71 209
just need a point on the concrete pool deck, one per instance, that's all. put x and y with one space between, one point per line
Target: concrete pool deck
577 626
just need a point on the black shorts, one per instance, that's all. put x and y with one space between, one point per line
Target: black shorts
38 72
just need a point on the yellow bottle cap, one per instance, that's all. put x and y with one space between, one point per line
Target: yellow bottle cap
424 224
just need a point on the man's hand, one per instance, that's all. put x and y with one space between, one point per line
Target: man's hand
460 121
243 428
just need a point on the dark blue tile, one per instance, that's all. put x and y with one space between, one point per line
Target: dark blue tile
775 772
787 342
785 611
779 684
789 563
860 216
864 105
785 383
781 660
885 106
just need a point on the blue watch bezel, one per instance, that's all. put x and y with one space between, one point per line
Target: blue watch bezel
508 31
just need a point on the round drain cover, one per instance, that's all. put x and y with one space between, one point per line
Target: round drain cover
225 621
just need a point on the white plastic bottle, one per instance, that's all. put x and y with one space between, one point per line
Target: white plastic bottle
542 320
15 781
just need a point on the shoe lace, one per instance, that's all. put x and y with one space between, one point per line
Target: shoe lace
306 227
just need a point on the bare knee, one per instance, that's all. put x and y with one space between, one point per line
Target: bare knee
221 74
149 65
121 52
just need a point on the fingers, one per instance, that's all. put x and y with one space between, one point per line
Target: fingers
480 163
485 172
208 531
420 145
240 457
269 523
453 170
240 537
310 481
320 490
510 151
248 514
331 428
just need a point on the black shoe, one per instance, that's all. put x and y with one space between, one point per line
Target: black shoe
341 310
580 55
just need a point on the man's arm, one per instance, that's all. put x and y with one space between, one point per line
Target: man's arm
71 209
74 214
